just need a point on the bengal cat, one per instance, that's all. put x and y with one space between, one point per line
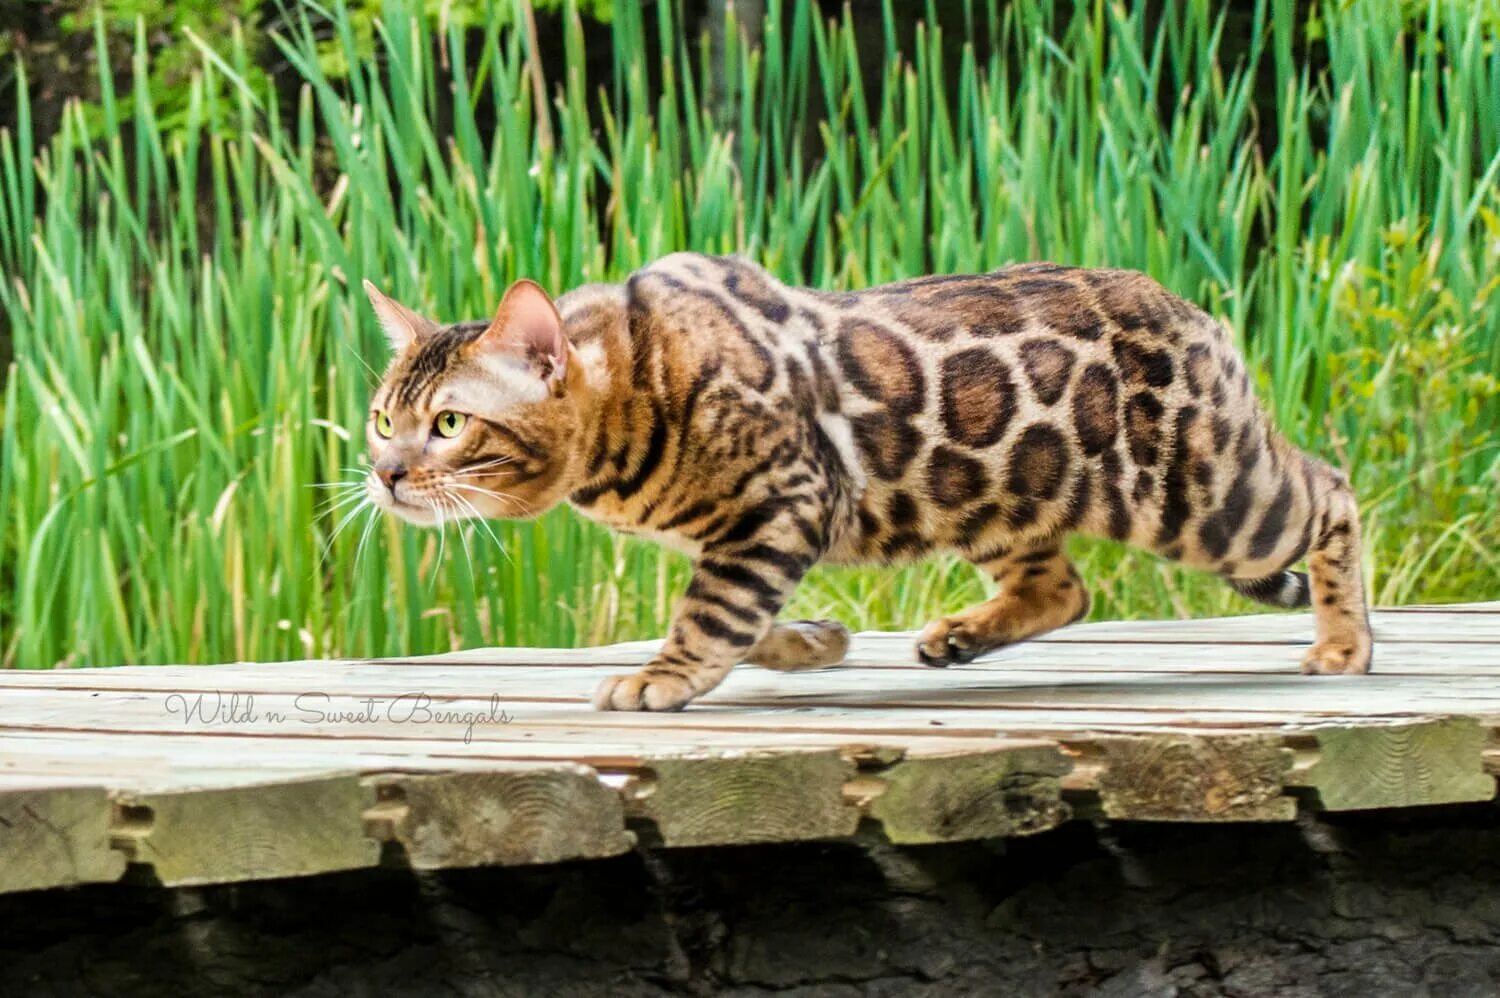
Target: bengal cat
762 428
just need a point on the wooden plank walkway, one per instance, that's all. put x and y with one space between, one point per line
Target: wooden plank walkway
238 772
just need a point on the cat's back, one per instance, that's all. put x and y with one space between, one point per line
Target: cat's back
1081 311
725 290
1121 316
1067 344
958 354
1047 326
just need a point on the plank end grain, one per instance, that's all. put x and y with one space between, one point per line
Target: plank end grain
1195 778
1401 765
56 838
504 818
950 798
223 835
747 798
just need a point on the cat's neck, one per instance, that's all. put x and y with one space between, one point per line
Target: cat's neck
596 323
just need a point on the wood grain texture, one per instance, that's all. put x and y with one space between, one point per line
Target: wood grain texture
252 832
1404 765
923 799
55 837
527 692
752 797
1195 778
508 818
1171 720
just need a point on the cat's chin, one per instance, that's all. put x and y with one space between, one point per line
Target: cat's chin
414 513
421 516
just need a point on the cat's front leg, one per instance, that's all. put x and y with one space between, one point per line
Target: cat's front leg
736 592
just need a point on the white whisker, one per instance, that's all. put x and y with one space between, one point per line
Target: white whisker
482 470
348 517
478 474
524 509
364 534
483 524
438 509
339 502
463 535
469 486
491 463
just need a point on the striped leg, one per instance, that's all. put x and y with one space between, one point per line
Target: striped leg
1344 644
1039 591
736 592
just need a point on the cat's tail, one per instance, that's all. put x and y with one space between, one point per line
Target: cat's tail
1288 590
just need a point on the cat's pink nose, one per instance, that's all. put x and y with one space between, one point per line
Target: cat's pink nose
390 474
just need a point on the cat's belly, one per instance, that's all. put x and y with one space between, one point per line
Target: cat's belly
671 539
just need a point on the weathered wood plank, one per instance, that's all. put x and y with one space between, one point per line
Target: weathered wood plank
774 726
1406 765
1492 606
513 688
1197 721
1025 771
152 761
507 818
937 689
1195 778
1464 624
1250 642
786 796
1057 659
55 837
926 798
1275 628
252 832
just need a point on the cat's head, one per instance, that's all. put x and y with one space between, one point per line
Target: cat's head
474 419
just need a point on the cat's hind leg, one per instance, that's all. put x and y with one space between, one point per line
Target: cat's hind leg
1344 643
801 644
1316 512
1039 591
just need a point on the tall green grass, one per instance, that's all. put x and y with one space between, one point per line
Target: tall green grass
192 351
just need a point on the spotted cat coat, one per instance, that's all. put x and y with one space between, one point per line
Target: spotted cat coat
763 428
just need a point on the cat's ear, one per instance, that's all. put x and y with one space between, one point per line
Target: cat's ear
402 326
527 323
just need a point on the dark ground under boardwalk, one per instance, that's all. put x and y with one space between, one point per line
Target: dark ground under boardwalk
1360 904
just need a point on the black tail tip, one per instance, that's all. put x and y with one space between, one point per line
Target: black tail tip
1288 590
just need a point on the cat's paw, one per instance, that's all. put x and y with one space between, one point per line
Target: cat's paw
1338 658
801 644
649 689
949 640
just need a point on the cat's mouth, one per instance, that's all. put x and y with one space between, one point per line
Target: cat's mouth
418 512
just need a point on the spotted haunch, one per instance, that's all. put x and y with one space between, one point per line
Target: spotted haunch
762 429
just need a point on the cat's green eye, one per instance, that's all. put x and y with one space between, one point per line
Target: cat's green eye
383 425
448 423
